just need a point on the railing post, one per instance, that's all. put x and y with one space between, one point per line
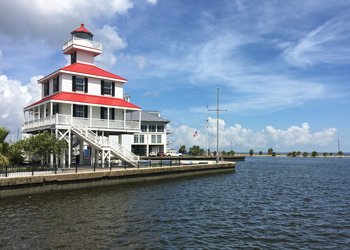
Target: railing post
32 170
6 171
150 163
171 163
138 164
161 163
76 168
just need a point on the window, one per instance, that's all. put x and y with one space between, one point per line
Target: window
104 113
79 111
79 84
136 139
159 138
56 84
152 128
144 128
73 58
142 139
160 128
153 138
55 108
111 114
46 88
107 88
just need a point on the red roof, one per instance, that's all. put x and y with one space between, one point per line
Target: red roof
91 70
81 29
87 99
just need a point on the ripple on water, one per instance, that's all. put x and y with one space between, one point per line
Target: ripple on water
268 203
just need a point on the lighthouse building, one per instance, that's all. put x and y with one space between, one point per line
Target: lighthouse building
84 105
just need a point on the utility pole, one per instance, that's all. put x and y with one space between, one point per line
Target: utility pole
217 110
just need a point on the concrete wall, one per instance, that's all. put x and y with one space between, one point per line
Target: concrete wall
12 186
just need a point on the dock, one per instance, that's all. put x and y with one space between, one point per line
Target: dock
24 185
195 158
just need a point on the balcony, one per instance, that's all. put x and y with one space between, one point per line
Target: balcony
91 123
76 42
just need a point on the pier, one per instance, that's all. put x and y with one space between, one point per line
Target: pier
21 185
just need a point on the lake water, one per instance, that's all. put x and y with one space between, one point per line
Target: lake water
268 203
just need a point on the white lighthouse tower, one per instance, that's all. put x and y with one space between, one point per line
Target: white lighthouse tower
85 105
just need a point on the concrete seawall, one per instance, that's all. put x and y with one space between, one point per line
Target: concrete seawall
13 186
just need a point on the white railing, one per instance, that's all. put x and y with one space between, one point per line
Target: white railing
103 142
82 42
119 149
60 119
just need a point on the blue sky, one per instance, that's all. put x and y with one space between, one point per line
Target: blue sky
281 66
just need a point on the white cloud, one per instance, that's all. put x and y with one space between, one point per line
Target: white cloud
112 42
152 2
327 43
257 86
242 139
57 16
121 6
14 97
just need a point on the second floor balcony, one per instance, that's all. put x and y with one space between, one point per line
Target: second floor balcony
61 120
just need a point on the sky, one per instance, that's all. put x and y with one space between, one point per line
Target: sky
281 66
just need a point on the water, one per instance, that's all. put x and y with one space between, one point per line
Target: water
269 203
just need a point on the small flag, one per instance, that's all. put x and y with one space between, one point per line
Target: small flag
195 134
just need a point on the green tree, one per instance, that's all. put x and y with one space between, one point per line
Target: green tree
4 146
298 153
340 153
325 154
270 151
314 154
183 150
289 154
16 153
231 153
3 160
251 152
196 150
260 152
305 154
273 154
42 145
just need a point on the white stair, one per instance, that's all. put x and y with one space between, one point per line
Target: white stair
103 143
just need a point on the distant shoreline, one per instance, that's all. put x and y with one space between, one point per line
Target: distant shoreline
284 155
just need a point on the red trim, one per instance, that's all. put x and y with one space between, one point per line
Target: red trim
81 29
91 70
86 99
